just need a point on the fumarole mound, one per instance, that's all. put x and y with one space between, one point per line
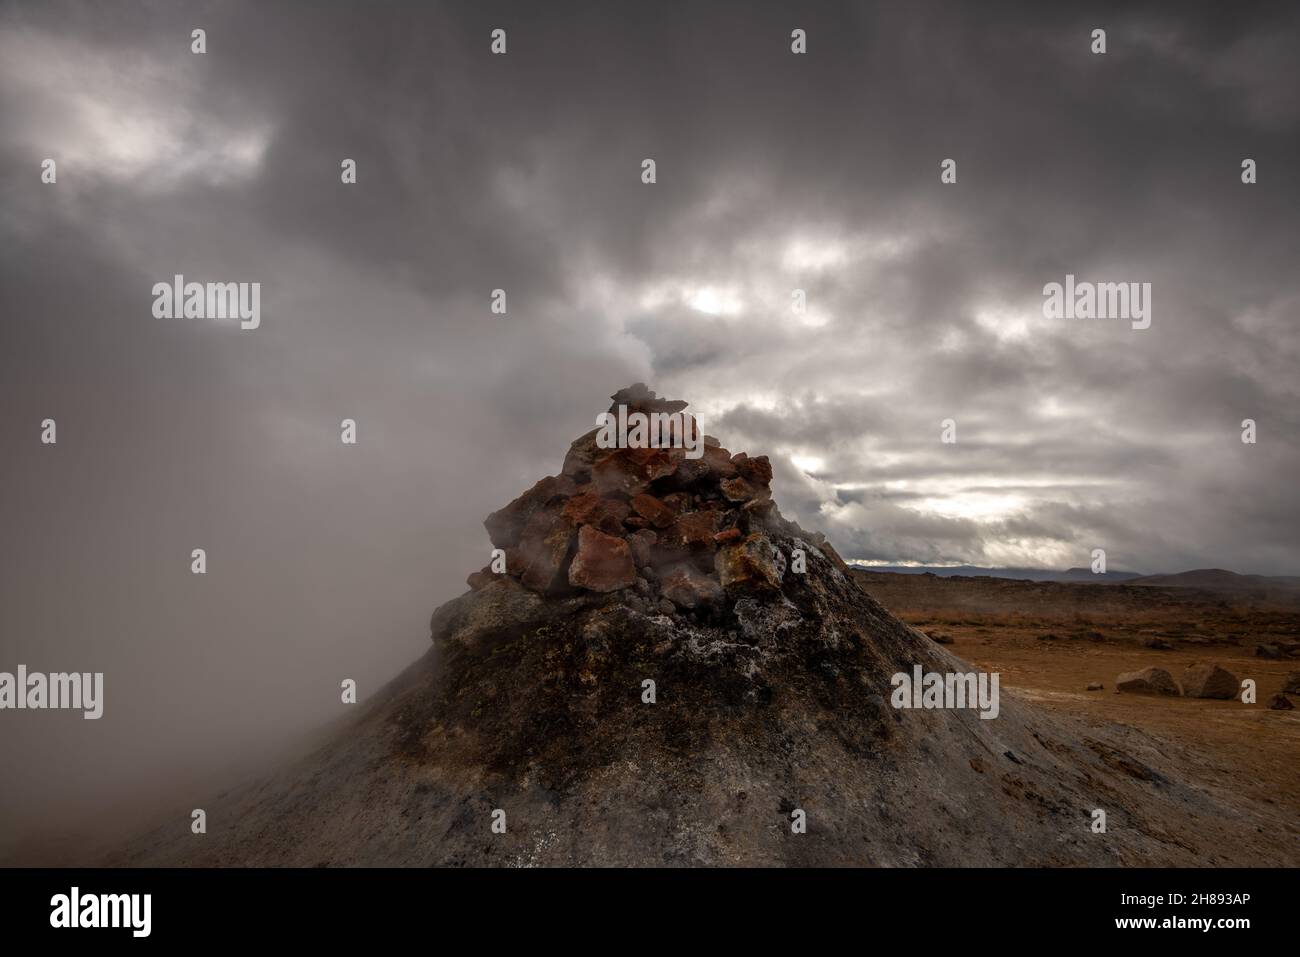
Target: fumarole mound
667 671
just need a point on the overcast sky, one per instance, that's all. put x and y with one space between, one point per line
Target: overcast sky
775 171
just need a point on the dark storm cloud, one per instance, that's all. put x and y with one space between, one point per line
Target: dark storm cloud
475 172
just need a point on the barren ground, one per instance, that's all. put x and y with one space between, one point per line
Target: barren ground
997 623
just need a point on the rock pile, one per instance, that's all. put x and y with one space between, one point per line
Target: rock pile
683 533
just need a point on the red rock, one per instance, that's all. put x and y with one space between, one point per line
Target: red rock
739 490
654 511
757 470
630 471
749 564
543 547
603 563
641 542
506 525
691 530
728 535
589 508
686 587
719 460
677 501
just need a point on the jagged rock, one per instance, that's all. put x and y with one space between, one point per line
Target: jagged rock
603 563
690 531
582 454
757 470
687 587
630 471
739 490
656 512
544 546
642 544
588 507
1280 702
1206 680
708 470
500 609
638 398
1147 681
506 525
752 563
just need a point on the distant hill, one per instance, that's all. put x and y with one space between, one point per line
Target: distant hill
1022 574
1218 578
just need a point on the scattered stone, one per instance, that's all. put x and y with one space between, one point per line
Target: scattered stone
1267 651
1291 683
1280 702
1158 644
1096 686
1147 681
603 563
1206 680
940 638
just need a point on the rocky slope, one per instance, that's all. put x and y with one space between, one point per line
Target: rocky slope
771 695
